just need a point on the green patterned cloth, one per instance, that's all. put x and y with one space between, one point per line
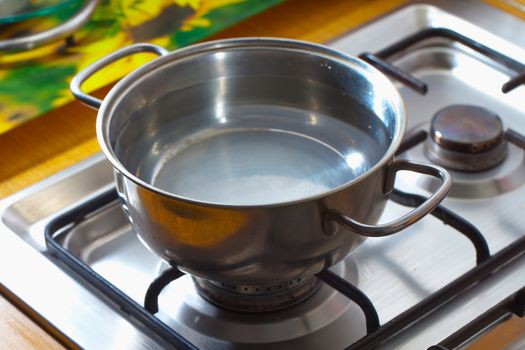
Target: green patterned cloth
36 81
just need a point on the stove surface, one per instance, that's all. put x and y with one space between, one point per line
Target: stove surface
395 272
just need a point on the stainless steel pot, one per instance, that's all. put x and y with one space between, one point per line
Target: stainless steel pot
254 160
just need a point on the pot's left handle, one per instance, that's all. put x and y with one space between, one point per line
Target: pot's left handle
80 78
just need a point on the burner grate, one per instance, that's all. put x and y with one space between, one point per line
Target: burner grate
441 297
151 300
376 333
59 226
378 59
448 217
513 305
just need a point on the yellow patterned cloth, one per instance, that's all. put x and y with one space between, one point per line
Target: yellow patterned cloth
36 81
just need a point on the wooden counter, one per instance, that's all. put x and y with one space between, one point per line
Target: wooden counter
61 138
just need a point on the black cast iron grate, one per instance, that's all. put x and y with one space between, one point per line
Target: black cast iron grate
376 333
61 224
378 59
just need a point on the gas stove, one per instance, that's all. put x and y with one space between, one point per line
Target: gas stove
82 270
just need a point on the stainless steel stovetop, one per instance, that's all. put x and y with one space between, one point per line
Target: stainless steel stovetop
396 272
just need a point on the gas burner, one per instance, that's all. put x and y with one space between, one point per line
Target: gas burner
326 317
490 164
257 298
466 138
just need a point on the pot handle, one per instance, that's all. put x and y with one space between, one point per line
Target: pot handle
61 31
80 78
408 219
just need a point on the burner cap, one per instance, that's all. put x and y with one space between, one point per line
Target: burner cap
465 128
466 138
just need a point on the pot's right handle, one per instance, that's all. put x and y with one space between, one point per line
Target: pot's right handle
80 78
408 219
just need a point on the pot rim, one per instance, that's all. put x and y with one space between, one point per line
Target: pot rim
121 87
